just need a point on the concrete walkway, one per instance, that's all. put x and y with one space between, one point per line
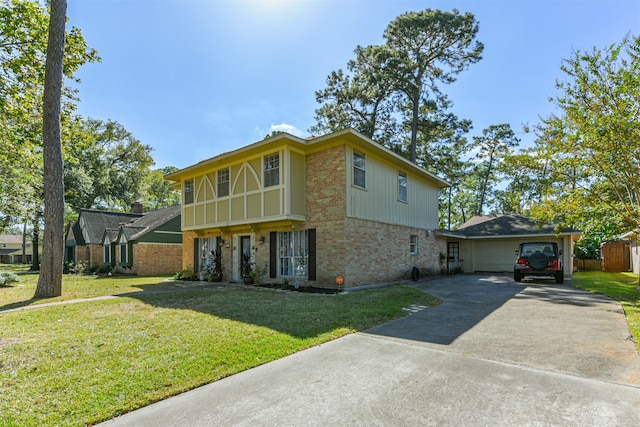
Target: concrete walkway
494 353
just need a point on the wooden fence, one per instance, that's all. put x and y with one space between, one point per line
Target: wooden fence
616 256
587 264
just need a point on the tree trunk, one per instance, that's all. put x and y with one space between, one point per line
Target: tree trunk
414 124
35 239
50 280
484 185
24 243
35 244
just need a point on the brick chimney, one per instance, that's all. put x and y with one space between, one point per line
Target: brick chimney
136 208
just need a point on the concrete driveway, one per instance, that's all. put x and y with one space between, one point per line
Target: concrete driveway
494 353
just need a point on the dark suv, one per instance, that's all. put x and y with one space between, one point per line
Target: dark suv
538 259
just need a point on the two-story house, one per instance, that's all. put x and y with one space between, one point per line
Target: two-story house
15 249
312 210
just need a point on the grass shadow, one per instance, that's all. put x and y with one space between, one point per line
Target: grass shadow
298 314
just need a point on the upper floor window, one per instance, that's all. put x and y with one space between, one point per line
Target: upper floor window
359 170
188 191
402 186
223 182
271 170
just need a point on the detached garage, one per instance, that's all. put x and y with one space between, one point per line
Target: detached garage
488 243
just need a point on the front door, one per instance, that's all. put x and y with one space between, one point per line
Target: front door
245 249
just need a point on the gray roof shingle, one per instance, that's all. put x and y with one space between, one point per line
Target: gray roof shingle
507 225
96 222
134 225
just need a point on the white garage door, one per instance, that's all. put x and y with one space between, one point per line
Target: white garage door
495 255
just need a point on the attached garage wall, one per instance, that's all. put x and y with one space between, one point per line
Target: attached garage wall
495 255
499 255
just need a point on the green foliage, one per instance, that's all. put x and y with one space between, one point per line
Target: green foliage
106 166
80 267
23 42
362 100
246 265
390 93
7 278
590 148
428 47
493 146
259 273
186 274
274 133
598 225
157 192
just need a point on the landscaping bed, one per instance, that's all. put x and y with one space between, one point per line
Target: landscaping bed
305 289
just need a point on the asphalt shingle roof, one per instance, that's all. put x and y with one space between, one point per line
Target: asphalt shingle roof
507 225
96 222
133 225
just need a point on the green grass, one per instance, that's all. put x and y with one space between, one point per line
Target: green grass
82 363
74 286
623 287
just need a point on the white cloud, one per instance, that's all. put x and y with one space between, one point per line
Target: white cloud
260 133
283 127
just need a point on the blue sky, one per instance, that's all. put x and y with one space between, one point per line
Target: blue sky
195 78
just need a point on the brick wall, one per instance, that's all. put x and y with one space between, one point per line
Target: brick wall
187 248
361 251
326 210
156 258
91 254
380 252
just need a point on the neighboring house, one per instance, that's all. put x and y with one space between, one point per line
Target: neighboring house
310 210
136 242
11 250
489 243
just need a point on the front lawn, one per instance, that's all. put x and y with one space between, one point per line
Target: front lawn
86 362
74 286
623 287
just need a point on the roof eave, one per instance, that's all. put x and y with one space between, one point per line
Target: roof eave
513 236
259 145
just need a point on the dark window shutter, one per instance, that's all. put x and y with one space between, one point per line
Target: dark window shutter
130 254
273 254
196 252
312 254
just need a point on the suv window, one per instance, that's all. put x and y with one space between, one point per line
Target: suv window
538 259
528 249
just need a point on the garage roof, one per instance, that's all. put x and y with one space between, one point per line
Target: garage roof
499 225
